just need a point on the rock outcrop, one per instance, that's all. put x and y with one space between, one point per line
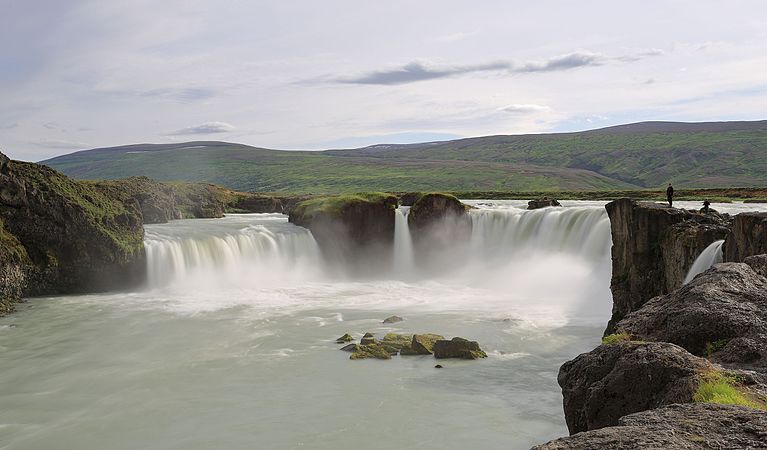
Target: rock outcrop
14 267
654 247
356 228
748 237
617 379
438 223
682 426
721 313
542 203
457 348
76 237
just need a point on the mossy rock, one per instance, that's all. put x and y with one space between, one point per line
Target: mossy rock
393 319
370 351
345 338
423 344
458 348
395 343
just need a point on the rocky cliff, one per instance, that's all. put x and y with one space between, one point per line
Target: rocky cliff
438 222
747 237
654 247
62 236
352 228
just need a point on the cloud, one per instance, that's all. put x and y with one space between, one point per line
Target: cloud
524 108
205 128
184 94
56 144
564 62
417 71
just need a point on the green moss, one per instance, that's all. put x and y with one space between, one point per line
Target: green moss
371 351
616 338
721 388
10 248
713 347
335 205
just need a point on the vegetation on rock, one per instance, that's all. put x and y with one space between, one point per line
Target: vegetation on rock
724 389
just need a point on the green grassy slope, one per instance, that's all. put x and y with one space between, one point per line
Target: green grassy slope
252 169
644 155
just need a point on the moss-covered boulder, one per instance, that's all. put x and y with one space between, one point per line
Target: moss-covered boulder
373 350
458 348
345 338
356 227
395 342
393 319
77 237
423 344
438 221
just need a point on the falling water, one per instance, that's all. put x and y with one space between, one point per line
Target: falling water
403 243
708 257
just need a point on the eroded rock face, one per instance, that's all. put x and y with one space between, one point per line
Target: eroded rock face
682 426
77 238
543 203
14 266
722 311
438 222
354 228
617 379
748 237
654 247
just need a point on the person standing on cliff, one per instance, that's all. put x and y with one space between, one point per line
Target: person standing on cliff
670 195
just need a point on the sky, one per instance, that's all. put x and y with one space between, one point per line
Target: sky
307 74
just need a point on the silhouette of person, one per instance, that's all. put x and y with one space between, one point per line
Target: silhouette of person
670 195
706 204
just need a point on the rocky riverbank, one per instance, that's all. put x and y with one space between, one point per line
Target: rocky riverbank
681 366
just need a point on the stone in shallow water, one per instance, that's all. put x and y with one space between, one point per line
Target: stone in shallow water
393 319
367 339
458 348
350 347
395 343
422 344
345 338
370 351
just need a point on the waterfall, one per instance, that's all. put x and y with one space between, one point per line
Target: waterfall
403 243
708 257
238 249
582 232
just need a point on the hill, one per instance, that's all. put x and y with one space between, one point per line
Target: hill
642 155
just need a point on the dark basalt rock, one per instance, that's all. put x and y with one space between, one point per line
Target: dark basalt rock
685 426
654 247
748 237
617 379
722 311
542 203
438 223
77 237
423 344
393 319
410 198
758 263
457 348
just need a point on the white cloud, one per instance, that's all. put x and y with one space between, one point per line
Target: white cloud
205 128
525 108
59 144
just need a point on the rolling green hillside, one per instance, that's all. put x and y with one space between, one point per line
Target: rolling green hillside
643 155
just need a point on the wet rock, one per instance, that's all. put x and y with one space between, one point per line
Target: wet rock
395 342
758 263
748 237
423 344
542 203
350 348
367 338
393 319
345 338
457 348
722 312
438 221
373 350
654 247
438 366
684 426
614 380
408 199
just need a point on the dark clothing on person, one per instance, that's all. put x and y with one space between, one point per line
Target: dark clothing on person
706 204
670 195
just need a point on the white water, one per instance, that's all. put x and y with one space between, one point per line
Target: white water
404 260
708 257
232 344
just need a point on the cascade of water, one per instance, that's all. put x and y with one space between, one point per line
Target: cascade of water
403 243
224 250
583 232
707 258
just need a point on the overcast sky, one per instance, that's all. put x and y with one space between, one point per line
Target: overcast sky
319 74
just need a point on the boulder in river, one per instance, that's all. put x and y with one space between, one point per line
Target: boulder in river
621 378
367 338
542 203
345 338
373 350
457 348
350 347
680 426
422 344
393 319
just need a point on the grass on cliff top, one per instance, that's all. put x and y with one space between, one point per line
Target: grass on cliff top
718 387
334 205
616 337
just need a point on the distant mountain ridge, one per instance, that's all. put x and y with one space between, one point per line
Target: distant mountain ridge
639 155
